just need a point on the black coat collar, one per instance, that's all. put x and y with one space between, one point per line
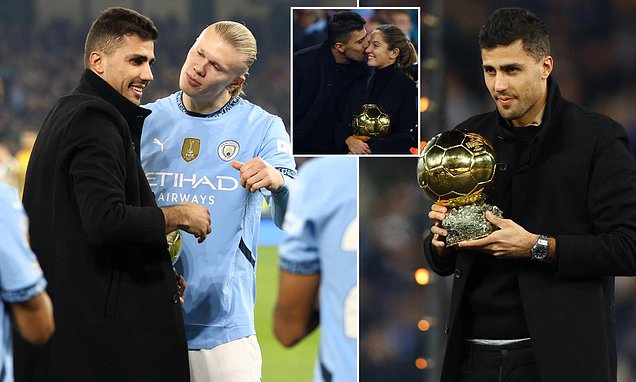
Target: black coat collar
93 84
550 114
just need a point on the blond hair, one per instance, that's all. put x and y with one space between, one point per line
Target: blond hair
243 41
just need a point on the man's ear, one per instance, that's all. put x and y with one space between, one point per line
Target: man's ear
236 83
339 47
96 62
547 66
239 80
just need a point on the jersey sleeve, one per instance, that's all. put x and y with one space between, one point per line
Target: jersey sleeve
21 277
276 149
299 249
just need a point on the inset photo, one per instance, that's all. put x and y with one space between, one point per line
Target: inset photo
355 81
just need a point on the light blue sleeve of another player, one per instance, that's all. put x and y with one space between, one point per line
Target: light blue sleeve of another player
276 150
20 275
299 252
324 188
321 235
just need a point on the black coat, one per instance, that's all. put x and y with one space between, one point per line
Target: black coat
578 185
99 237
397 96
318 85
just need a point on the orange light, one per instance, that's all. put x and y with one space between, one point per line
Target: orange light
424 103
422 276
421 363
423 325
422 145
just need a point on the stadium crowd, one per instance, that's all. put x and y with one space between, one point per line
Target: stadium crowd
39 64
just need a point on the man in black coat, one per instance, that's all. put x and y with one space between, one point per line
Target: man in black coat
534 300
321 74
96 229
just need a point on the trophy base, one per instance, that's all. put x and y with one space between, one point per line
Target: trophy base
468 222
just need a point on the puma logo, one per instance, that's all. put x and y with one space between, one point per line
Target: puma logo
157 142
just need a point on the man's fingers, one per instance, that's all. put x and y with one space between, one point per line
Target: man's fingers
494 219
438 243
478 243
439 208
237 164
438 231
255 182
182 285
204 233
256 174
438 216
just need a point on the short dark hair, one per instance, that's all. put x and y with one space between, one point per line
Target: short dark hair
342 24
107 30
507 25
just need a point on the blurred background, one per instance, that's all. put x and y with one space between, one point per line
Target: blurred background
402 305
309 25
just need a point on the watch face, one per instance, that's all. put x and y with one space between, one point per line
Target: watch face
539 255
540 249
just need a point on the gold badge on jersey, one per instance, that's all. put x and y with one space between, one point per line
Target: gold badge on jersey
190 149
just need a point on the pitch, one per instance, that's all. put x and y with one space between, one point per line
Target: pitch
279 364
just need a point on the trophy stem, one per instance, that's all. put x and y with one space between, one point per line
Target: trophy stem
469 222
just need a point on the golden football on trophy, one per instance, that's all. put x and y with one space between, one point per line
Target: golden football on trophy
174 245
371 122
455 169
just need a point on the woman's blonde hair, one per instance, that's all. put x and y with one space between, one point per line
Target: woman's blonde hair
243 41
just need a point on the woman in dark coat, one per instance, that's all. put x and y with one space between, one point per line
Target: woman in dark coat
392 87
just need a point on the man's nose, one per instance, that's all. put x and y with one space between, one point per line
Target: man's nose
146 73
501 82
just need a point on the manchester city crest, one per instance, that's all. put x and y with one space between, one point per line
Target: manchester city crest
190 149
228 150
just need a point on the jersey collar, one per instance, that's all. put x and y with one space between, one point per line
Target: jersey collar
227 107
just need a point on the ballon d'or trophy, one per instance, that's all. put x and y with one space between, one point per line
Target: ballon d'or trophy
455 169
371 123
174 245
174 249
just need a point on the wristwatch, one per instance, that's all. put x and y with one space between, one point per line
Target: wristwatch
539 251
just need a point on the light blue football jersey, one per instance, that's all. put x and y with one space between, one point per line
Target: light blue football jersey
187 157
321 236
20 275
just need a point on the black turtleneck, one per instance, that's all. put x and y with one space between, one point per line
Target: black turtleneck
381 78
493 304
